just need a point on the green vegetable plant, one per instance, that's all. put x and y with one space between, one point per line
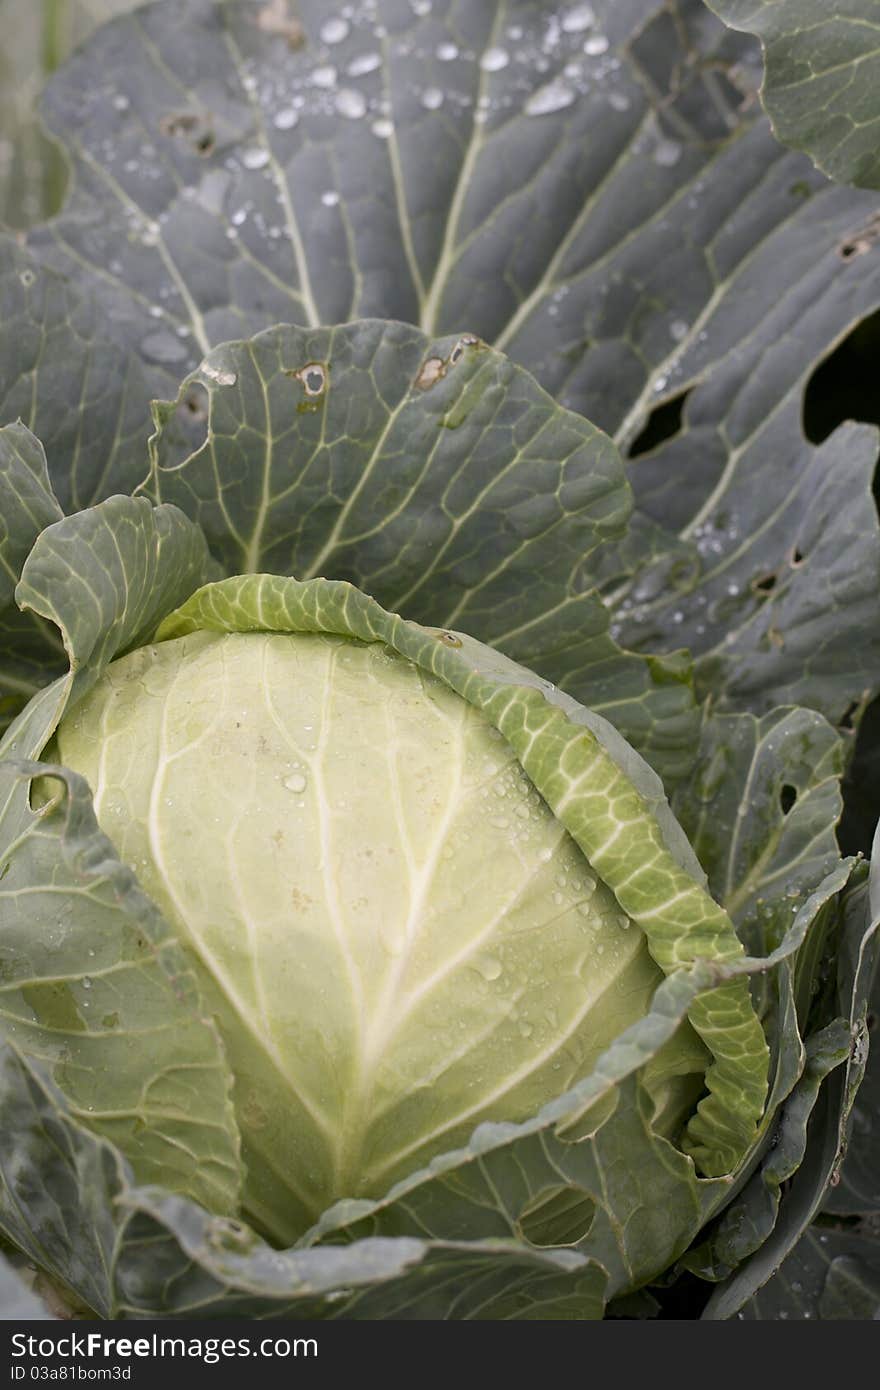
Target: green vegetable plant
420 894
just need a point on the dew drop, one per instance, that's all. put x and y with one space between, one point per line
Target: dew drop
489 967
667 153
296 782
364 63
383 129
447 52
255 159
577 20
432 98
494 59
618 101
330 198
351 104
121 102
86 982
324 77
594 48
525 1028
678 329
285 119
554 96
335 30
164 347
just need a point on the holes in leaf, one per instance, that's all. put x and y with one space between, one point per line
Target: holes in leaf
186 431
431 371
314 378
465 341
787 797
860 242
194 127
557 1216
663 423
766 584
195 402
847 720
844 386
434 369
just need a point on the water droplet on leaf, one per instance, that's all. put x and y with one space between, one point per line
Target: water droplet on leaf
554 96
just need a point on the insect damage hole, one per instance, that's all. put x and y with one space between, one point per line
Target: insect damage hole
194 406
844 385
434 368
860 242
313 378
787 797
195 128
465 341
663 423
432 371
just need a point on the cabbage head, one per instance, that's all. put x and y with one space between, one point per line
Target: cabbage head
337 936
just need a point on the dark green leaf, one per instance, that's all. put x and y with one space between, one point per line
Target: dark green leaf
442 480
823 1144
30 650
830 1274
822 78
223 181
68 1201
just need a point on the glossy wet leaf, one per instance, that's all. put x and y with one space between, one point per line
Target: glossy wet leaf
440 478
225 180
830 1275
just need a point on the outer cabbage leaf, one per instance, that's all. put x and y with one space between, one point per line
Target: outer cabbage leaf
809 1160
822 74
830 1274
127 1251
224 180
439 477
857 1189
30 648
93 983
